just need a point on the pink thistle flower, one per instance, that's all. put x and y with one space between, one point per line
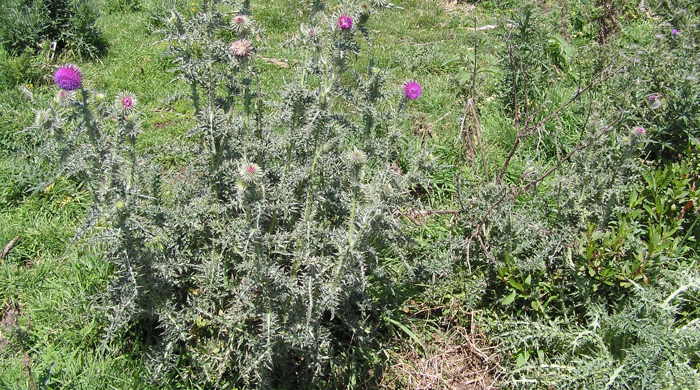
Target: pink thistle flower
639 131
344 22
126 101
250 171
68 77
240 20
412 90
675 32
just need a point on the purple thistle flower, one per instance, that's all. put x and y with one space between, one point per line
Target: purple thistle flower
675 32
344 22
68 77
412 90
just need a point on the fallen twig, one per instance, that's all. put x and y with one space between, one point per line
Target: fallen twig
9 247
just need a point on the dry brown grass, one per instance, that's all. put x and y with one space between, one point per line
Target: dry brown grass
454 360
456 5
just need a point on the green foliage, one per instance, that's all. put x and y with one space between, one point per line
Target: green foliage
657 85
27 25
25 68
657 231
122 6
527 68
642 344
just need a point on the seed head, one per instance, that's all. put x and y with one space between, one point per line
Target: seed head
344 22
68 77
241 48
412 90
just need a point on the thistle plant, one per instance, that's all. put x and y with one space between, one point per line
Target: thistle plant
254 265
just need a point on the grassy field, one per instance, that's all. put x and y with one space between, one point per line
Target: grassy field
465 327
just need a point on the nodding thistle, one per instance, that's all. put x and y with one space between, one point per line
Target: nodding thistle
68 77
241 23
125 101
412 90
357 157
241 48
344 22
250 172
639 131
654 101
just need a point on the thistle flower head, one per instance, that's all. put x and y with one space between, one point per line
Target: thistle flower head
250 171
240 20
68 77
241 23
639 131
125 101
310 32
675 32
654 100
357 157
412 90
344 22
241 48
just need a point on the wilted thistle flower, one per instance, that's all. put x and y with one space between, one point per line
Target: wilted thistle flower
250 171
357 157
344 22
125 101
654 101
68 77
639 131
241 48
412 90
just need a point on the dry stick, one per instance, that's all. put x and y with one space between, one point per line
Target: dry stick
581 146
527 130
9 247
